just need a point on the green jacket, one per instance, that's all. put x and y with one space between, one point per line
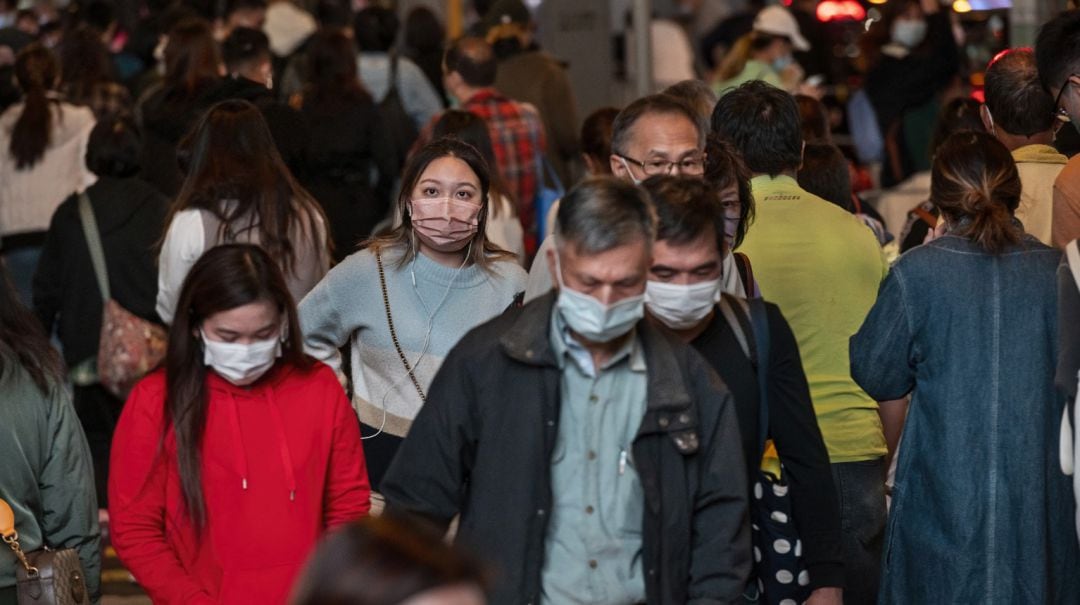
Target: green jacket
45 474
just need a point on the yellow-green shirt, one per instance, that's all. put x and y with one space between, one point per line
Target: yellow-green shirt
822 267
754 70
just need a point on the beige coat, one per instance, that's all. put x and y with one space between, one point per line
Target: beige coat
1039 166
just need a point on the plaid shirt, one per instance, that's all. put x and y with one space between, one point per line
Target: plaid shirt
517 137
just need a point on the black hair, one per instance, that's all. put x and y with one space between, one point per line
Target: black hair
596 132
1057 50
763 123
23 341
375 29
423 31
474 60
333 13
685 207
959 115
113 148
233 6
100 15
1017 102
825 173
814 118
623 126
244 46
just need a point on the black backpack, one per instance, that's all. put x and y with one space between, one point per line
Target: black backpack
400 130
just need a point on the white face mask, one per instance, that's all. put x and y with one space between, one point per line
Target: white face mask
909 33
241 364
592 319
681 307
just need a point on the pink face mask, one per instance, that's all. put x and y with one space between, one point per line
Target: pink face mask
447 224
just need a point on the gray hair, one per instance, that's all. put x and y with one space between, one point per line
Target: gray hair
623 127
604 213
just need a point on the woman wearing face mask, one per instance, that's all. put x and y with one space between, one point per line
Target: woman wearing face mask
230 462
406 299
764 53
685 283
727 173
918 59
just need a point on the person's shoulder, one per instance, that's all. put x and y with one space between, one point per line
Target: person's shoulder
510 272
147 398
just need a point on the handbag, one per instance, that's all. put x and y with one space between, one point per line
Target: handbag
779 568
46 576
129 346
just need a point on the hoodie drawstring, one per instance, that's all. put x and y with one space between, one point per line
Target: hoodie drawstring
283 445
241 452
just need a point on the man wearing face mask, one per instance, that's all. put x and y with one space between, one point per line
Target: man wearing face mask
591 455
913 68
682 293
1057 55
654 135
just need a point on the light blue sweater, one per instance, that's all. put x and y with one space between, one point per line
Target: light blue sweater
347 306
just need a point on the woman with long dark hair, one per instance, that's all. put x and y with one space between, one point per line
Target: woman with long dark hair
46 476
238 189
405 300
231 461
193 70
42 146
350 167
503 227
967 325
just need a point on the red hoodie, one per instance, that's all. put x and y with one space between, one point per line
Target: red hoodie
281 463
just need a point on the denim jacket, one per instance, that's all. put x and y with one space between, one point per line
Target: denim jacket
981 512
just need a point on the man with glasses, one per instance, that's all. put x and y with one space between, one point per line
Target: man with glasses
1057 54
657 134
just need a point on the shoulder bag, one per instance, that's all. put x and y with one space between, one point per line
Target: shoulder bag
129 347
779 568
46 576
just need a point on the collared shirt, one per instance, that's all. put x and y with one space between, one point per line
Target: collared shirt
594 542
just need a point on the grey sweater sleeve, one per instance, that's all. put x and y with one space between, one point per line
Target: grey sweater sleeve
322 322
69 504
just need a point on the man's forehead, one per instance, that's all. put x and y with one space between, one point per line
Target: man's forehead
670 133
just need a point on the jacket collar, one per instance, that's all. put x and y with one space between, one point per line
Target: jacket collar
528 340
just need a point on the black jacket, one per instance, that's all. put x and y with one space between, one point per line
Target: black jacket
131 218
482 444
793 428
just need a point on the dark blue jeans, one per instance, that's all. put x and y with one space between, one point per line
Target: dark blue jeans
860 488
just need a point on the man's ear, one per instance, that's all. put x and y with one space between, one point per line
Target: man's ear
553 267
618 167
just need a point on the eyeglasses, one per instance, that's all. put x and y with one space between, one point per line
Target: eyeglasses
1060 112
692 166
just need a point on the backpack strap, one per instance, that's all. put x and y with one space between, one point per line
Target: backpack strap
93 242
393 85
746 273
736 313
760 320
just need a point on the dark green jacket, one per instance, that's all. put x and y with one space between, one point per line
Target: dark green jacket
45 473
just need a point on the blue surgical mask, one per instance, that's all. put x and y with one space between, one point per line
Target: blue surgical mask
592 319
909 33
781 63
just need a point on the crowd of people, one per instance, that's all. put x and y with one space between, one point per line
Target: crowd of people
295 309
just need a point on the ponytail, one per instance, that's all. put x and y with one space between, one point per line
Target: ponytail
976 186
735 59
36 71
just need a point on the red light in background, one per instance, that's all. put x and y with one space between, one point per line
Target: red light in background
840 10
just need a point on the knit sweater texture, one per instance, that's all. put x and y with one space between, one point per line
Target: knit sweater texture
433 306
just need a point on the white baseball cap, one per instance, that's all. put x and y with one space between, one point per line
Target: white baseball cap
779 21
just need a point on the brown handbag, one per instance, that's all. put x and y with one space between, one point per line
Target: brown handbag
129 347
46 576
